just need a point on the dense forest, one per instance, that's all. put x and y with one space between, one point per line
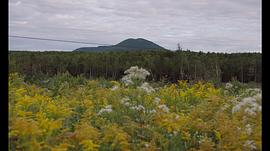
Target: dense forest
163 65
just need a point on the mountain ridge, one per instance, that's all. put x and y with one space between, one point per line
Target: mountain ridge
129 44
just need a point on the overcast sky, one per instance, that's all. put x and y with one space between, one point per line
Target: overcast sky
207 25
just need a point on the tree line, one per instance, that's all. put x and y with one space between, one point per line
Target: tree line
163 65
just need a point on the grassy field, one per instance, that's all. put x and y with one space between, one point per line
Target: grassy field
72 113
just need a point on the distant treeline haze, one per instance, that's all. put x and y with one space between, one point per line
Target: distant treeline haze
163 65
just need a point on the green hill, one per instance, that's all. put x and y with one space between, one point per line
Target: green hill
126 45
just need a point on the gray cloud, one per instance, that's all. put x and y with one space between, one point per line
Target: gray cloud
212 25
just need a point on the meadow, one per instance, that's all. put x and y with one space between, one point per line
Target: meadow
72 113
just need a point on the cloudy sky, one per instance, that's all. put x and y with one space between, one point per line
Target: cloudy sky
207 25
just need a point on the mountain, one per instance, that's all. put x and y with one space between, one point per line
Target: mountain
126 45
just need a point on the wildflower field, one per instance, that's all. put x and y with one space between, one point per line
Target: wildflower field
66 113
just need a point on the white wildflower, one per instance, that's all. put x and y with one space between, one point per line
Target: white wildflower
234 101
253 90
156 89
164 108
226 91
134 72
251 106
157 100
114 88
125 99
146 145
104 110
137 73
260 108
127 104
248 129
236 108
152 111
146 87
127 80
258 96
107 109
250 111
228 86
250 144
138 108
177 117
